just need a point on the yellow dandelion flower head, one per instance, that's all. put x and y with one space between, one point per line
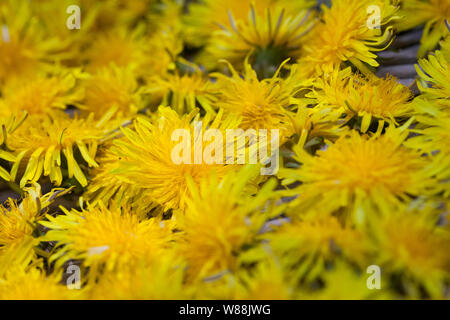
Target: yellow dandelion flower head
106 186
434 81
25 47
210 15
42 94
150 142
347 34
267 281
108 14
9 123
431 13
145 55
105 238
411 241
220 217
184 92
343 282
269 37
314 127
359 172
432 139
117 47
33 284
343 92
144 281
308 244
445 48
18 222
112 93
53 17
44 141
261 104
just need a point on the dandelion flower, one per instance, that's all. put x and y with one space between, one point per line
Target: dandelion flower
343 282
142 54
307 245
343 36
433 134
267 281
104 237
344 93
220 218
33 284
261 104
211 15
45 141
42 95
144 281
432 14
9 124
26 49
411 243
314 127
113 13
270 37
150 143
105 186
445 48
185 92
17 224
360 173
434 82
112 93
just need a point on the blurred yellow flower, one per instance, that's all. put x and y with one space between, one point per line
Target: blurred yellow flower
359 174
431 13
105 238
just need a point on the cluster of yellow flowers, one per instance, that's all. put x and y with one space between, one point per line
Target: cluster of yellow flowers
87 117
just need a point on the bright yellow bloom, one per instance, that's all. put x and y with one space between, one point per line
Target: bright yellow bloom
307 245
411 243
432 14
343 93
24 46
44 141
112 93
9 124
146 56
17 224
261 104
220 218
185 92
269 35
146 156
41 95
268 281
445 48
106 186
314 127
344 36
107 15
359 174
107 238
434 82
432 139
162 279
211 15
33 284
344 282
